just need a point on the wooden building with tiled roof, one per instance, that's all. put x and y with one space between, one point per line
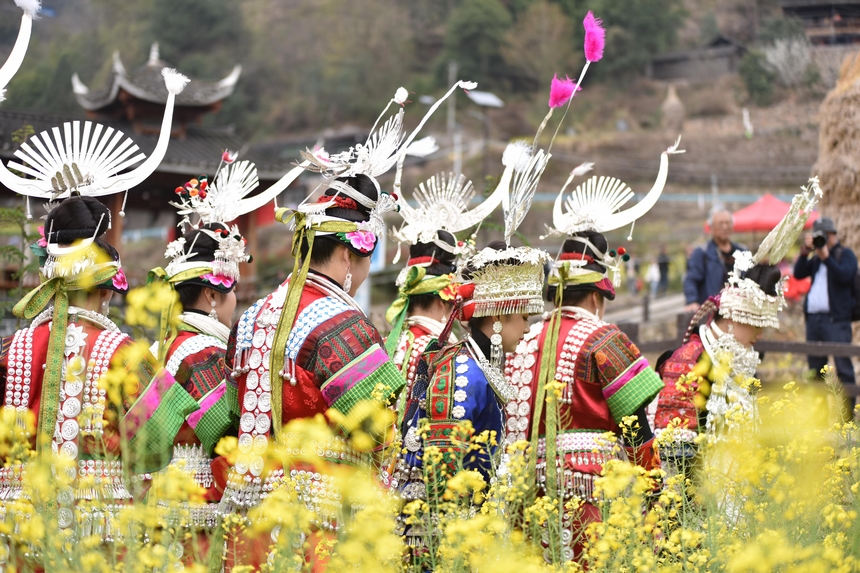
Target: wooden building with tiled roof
133 103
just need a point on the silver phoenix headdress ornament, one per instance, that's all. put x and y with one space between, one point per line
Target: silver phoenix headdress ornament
596 204
510 281
225 200
385 147
742 300
16 56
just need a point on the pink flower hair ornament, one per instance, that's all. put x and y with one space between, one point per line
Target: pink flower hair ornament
218 280
119 281
42 242
360 240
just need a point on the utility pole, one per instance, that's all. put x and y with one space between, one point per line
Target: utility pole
452 101
458 152
715 190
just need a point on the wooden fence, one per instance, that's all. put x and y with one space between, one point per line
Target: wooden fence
631 329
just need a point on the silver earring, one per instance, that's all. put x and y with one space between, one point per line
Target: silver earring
347 281
496 353
212 314
104 307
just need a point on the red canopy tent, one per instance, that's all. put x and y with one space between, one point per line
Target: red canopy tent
763 216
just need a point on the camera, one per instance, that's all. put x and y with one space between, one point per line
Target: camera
819 239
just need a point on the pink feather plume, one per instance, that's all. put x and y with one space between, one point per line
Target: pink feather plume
560 91
595 37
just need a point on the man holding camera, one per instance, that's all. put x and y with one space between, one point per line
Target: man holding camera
830 299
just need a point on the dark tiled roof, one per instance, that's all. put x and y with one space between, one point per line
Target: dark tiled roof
198 152
816 3
147 84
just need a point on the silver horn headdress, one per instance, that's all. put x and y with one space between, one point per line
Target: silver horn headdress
89 160
19 50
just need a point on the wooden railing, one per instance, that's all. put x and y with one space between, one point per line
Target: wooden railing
836 349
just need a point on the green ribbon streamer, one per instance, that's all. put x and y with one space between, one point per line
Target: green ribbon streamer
415 284
304 233
28 307
31 305
588 278
548 368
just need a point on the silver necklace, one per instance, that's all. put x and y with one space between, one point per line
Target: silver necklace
718 344
727 394
96 318
494 376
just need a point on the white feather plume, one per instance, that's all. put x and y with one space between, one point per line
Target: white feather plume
423 147
174 81
517 155
31 7
582 169
401 95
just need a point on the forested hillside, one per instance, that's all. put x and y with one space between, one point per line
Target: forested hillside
310 64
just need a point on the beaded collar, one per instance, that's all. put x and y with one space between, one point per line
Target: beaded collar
99 320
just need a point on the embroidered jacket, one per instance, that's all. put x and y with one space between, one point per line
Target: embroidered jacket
606 378
413 343
674 402
336 360
87 420
187 425
458 390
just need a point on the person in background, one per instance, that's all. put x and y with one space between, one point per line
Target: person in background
663 262
652 277
709 265
828 304
632 268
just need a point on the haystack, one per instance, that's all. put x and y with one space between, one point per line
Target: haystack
673 111
838 164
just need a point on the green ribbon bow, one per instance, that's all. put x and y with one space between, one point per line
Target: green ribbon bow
167 332
31 305
305 233
417 282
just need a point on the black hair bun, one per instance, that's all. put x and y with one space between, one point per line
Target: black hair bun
446 260
596 239
204 246
77 218
361 183
766 277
